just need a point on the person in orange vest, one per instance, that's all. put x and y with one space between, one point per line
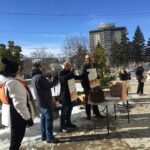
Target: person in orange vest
15 110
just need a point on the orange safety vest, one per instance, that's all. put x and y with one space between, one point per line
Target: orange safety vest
3 96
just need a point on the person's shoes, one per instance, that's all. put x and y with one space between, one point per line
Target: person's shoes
88 117
99 116
43 139
141 94
70 125
82 107
63 130
53 140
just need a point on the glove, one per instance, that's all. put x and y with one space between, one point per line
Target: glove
29 123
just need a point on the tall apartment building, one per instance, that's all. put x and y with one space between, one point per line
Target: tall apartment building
106 34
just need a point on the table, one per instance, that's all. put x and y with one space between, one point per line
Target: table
132 97
108 102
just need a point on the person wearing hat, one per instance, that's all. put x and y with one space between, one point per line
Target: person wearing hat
42 90
86 86
15 110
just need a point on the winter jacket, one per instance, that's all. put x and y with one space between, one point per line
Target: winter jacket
139 72
17 95
64 76
42 88
85 80
124 75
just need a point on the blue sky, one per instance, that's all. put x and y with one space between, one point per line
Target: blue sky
46 23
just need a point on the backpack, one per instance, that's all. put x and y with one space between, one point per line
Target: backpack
33 109
3 97
30 100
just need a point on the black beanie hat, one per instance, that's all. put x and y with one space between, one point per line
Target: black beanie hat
8 67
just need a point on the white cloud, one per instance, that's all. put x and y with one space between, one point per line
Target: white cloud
55 49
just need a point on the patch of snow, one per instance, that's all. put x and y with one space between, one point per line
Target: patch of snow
34 133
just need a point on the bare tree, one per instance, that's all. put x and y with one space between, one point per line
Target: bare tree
27 66
42 55
75 47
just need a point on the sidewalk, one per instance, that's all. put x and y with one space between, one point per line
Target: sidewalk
123 135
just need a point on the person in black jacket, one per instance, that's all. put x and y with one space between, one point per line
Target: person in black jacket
67 105
123 74
139 75
86 86
42 89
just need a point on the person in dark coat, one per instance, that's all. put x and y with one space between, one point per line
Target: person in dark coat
42 89
86 86
123 74
139 75
65 99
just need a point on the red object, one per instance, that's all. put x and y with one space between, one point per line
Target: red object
96 95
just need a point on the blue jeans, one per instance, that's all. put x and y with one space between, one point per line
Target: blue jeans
46 123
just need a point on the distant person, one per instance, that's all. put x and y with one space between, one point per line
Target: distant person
42 90
86 86
65 99
139 75
123 74
15 103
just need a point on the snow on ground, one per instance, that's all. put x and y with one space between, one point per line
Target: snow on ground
123 135
136 128
33 133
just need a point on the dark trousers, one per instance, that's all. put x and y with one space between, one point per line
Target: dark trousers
17 134
65 117
140 87
46 123
88 107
